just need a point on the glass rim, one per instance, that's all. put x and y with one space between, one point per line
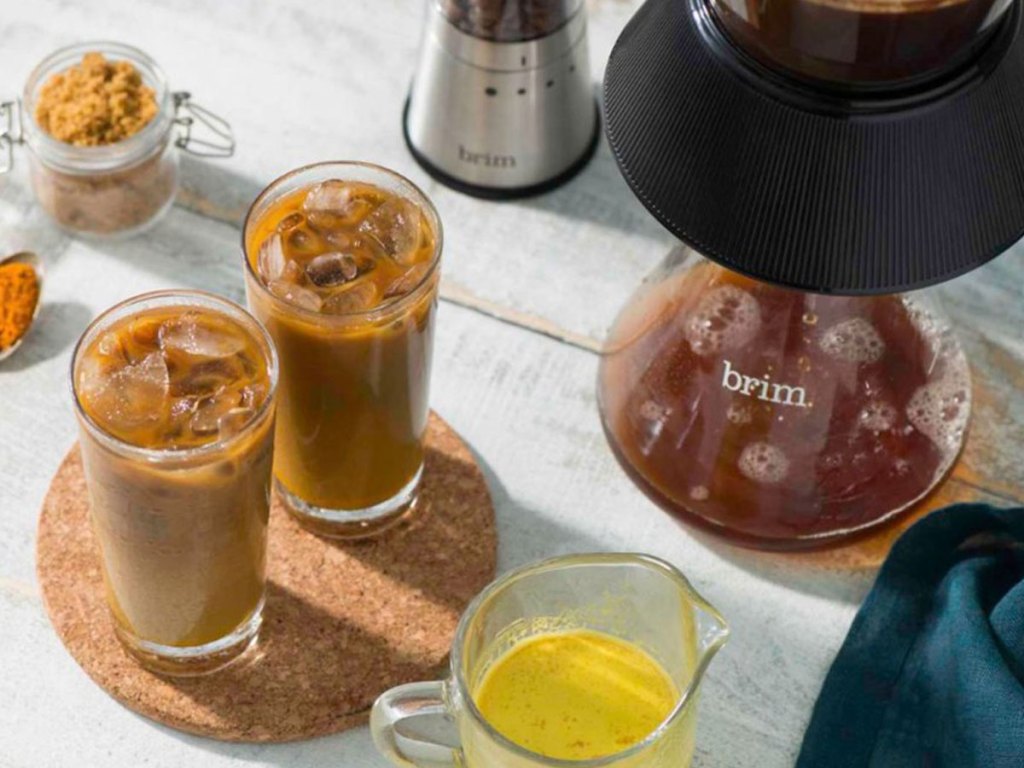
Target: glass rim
220 303
120 155
650 562
382 310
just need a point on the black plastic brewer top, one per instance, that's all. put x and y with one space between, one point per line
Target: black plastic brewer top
825 190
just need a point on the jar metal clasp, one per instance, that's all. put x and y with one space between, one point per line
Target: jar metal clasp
219 139
10 133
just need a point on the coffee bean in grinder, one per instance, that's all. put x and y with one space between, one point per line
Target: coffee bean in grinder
780 381
502 104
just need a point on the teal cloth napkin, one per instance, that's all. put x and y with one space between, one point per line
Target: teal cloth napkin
931 674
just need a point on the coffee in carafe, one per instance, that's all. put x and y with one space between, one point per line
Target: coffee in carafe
860 41
776 417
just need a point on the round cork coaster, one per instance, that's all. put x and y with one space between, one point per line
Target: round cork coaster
342 623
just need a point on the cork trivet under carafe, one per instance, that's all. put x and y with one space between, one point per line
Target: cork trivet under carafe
343 622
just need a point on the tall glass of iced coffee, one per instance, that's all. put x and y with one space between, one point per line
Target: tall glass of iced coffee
342 267
175 397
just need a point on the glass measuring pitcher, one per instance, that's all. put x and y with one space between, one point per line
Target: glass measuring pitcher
638 599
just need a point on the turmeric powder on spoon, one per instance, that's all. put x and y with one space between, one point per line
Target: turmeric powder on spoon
19 295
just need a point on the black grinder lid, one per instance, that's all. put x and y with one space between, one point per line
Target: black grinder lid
824 191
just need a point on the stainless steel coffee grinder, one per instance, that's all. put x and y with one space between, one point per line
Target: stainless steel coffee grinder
502 104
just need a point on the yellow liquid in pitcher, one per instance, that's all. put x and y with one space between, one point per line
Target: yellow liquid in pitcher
575 695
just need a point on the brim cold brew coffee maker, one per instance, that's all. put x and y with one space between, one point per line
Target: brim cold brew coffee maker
824 157
502 104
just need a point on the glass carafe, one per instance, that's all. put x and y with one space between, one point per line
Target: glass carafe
777 418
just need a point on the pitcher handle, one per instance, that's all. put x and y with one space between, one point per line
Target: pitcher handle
401 705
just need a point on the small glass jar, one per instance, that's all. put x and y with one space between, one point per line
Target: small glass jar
119 189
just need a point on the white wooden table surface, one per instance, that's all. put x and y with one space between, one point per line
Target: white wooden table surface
309 80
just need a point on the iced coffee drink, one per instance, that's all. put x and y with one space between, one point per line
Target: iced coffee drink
342 269
175 395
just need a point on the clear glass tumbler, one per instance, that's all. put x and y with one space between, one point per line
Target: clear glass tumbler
182 532
354 385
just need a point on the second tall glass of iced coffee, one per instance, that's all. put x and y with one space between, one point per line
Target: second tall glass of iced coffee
341 266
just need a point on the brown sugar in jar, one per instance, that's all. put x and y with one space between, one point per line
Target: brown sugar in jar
97 102
99 119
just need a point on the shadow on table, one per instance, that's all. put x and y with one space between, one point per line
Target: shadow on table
24 225
746 707
337 668
179 250
795 571
216 191
733 691
319 677
450 531
324 668
176 250
56 329
526 534
523 534
599 195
